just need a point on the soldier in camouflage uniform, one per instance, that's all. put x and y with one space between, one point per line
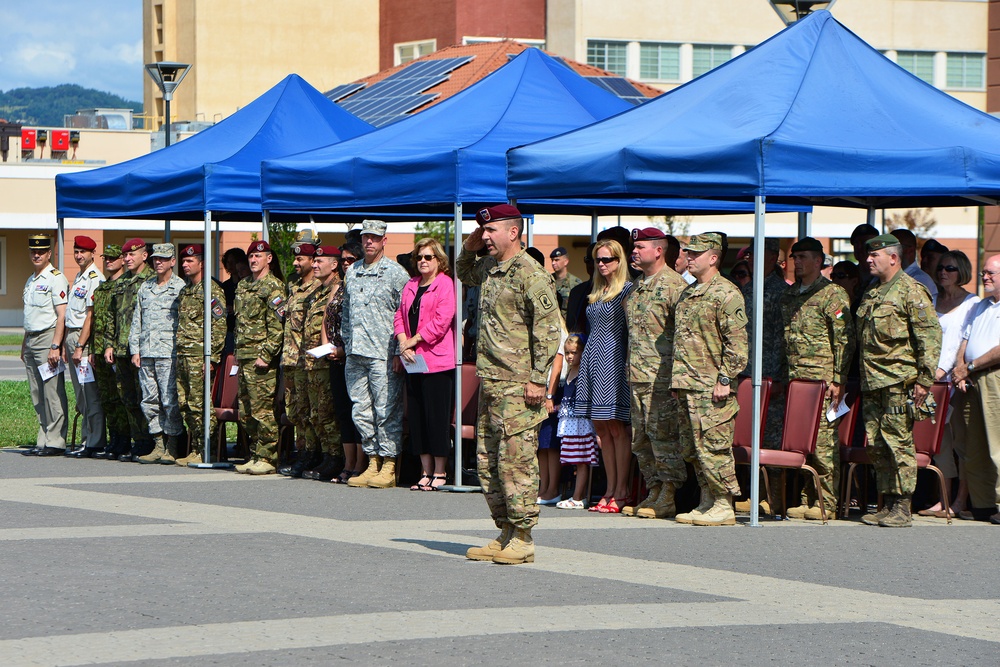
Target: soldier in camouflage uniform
900 341
152 341
123 296
710 349
260 312
819 342
322 416
649 312
373 289
191 348
300 291
104 374
519 333
563 281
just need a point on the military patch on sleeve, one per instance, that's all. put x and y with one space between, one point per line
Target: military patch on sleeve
735 310
541 294
92 274
217 311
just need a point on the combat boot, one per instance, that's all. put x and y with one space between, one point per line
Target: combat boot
304 460
158 451
654 491
494 547
661 508
328 468
794 512
888 500
520 549
243 467
720 514
706 504
814 514
260 467
374 462
386 477
899 516
173 448
193 457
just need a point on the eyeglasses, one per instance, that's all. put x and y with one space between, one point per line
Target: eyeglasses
988 274
426 258
949 268
839 276
605 260
348 259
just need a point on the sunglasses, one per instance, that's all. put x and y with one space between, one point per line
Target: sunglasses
605 260
839 275
426 258
949 268
740 274
348 259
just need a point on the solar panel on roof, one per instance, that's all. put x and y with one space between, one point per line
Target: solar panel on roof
620 87
342 91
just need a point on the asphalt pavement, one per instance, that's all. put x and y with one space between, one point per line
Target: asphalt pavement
114 563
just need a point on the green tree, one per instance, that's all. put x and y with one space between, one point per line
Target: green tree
671 224
920 221
281 237
47 106
436 230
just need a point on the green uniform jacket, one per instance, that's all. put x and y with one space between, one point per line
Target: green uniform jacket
819 333
123 300
649 312
299 294
899 334
260 312
312 330
102 326
191 318
519 322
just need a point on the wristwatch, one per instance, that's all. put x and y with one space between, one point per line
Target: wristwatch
55 347
724 380
972 366
548 396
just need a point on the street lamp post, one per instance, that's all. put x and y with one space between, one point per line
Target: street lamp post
791 11
167 76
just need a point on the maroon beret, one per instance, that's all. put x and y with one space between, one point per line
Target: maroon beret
84 243
327 251
498 212
258 246
648 234
307 249
134 244
193 249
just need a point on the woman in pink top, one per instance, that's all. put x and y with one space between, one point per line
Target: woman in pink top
424 327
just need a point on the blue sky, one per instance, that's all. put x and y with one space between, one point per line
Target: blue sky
93 43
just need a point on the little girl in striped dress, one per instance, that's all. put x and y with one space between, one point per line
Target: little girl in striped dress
579 444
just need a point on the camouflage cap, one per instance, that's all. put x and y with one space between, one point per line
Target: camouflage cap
163 250
112 250
880 242
703 242
373 227
807 244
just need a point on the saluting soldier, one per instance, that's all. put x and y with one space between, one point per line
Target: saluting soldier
649 312
153 342
563 281
115 416
260 313
710 349
900 341
321 415
819 343
123 298
300 290
79 335
519 332
44 299
191 347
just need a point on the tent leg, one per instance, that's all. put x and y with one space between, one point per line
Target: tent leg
593 227
60 244
166 231
757 333
805 224
206 281
266 218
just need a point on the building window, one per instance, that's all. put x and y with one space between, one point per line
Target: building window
659 62
966 70
608 56
412 50
918 63
707 57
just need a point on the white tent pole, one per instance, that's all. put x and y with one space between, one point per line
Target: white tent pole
593 227
457 238
757 331
805 224
218 249
871 216
60 234
263 222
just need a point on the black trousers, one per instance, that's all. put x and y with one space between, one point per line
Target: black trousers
431 404
342 404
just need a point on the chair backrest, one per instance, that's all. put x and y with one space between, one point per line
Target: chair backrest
803 411
229 387
926 435
845 430
743 430
470 394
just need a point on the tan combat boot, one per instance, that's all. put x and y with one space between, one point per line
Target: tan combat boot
765 507
170 455
158 451
705 504
888 500
793 512
386 477
243 467
814 514
520 549
494 547
654 491
663 507
261 467
374 462
899 516
193 457
720 514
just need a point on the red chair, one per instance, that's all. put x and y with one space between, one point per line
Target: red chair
470 402
849 455
742 432
927 435
803 410
227 404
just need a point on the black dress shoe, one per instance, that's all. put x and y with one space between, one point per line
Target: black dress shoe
71 451
31 452
125 458
84 453
51 451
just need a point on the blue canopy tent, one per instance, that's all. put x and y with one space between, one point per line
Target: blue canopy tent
217 171
453 155
813 114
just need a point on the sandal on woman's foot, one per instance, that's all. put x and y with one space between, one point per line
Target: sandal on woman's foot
613 507
603 502
437 483
343 477
423 483
571 504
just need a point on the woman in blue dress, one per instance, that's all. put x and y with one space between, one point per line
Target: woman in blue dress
602 392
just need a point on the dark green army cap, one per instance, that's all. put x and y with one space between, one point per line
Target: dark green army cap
880 242
112 250
807 244
703 242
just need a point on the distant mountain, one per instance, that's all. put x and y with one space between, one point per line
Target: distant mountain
47 106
